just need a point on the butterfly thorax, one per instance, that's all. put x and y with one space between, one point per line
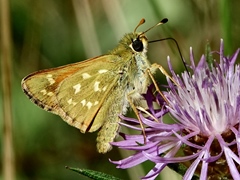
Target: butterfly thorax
132 49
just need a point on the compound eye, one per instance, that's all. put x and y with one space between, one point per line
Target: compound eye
137 45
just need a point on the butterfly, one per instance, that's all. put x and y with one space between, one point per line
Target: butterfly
90 95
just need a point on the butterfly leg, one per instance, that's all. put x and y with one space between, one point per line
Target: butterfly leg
163 71
150 73
153 69
134 108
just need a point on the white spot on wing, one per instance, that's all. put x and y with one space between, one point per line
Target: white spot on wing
44 92
77 88
50 79
50 93
102 71
104 88
95 103
89 105
96 86
86 75
71 102
83 102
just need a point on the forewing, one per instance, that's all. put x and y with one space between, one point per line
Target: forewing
75 92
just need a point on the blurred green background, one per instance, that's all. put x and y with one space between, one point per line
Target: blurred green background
51 33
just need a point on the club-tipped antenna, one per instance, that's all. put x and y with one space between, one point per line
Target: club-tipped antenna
142 21
163 21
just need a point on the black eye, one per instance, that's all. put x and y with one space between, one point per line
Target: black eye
137 45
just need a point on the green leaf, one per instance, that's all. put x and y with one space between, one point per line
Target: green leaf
93 174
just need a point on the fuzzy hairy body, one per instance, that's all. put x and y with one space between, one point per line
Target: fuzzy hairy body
132 81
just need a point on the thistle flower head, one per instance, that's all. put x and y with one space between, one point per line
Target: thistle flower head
205 137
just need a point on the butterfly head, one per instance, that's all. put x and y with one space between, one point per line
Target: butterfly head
139 43
135 42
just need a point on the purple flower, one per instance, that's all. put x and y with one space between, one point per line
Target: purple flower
205 135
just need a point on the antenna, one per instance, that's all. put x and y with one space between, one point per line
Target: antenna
163 21
142 21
